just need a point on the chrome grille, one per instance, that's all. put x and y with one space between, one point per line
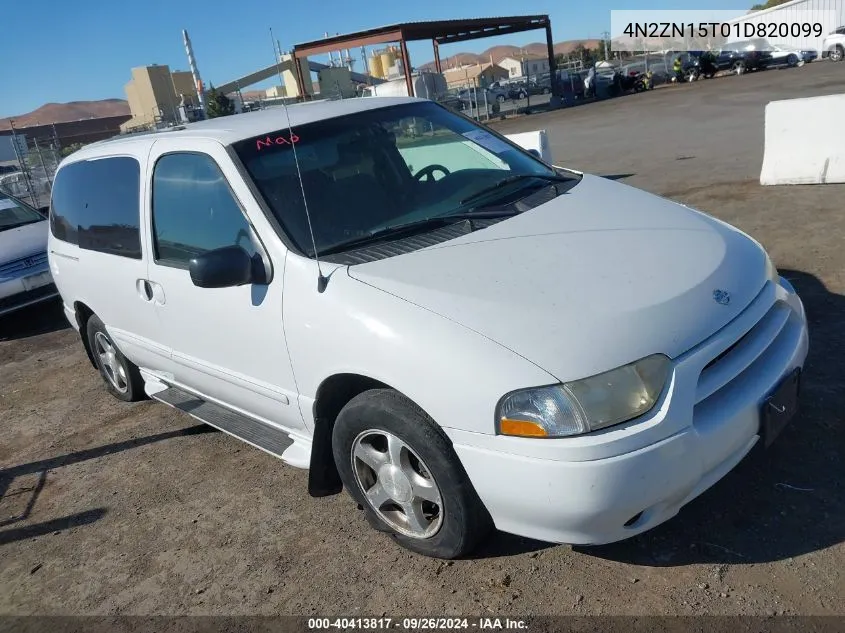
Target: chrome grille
11 269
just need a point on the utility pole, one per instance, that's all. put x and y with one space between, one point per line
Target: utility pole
604 36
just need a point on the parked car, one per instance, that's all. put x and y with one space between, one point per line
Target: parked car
451 99
833 46
410 333
697 64
744 56
538 88
783 55
24 272
497 92
474 97
571 84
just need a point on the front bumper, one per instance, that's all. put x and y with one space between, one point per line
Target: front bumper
619 482
27 287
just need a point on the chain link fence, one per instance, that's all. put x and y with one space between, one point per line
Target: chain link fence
30 175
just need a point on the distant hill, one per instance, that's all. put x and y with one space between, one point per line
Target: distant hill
498 53
73 111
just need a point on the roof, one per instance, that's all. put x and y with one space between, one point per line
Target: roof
755 14
469 71
526 57
230 129
443 31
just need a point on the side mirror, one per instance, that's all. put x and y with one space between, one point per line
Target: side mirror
221 268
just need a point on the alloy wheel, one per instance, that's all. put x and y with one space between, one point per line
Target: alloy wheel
112 367
397 484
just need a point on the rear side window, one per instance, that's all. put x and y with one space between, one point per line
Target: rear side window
194 210
96 205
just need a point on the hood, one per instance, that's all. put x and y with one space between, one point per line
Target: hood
30 239
599 277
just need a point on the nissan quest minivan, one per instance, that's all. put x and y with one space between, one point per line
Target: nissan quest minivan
417 309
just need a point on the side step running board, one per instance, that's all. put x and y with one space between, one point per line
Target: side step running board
261 435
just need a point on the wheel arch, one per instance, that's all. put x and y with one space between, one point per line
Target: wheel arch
333 394
83 314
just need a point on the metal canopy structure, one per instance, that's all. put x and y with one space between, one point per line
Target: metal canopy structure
439 32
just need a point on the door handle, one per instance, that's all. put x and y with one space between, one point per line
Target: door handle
145 289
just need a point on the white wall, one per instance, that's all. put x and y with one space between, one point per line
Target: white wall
513 66
521 68
829 13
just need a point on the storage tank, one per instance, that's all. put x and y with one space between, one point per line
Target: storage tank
387 59
374 64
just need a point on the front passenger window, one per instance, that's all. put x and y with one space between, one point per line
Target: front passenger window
194 210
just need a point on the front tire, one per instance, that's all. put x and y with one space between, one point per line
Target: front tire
122 378
400 467
739 68
837 53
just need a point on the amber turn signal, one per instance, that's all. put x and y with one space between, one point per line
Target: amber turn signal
521 428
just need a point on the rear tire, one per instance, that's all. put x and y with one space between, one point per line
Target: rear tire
122 378
792 61
400 467
739 68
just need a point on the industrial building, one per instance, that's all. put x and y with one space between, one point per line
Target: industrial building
479 76
829 13
525 65
155 95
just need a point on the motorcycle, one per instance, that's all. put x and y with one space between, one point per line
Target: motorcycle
641 83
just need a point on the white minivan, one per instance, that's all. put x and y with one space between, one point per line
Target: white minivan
456 332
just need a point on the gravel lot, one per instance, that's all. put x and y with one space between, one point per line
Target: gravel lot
109 508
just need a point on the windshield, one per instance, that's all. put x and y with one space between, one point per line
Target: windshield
14 213
387 167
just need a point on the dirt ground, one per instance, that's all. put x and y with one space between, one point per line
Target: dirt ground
111 508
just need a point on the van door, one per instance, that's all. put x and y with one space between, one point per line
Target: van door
98 255
227 344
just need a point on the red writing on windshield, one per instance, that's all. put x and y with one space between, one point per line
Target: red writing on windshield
278 140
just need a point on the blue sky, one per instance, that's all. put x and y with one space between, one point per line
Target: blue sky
59 50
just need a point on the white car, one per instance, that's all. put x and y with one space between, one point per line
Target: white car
787 56
459 334
24 273
833 46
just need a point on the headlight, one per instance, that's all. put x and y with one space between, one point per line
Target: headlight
771 272
586 405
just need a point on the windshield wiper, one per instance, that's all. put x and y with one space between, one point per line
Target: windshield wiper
420 226
511 179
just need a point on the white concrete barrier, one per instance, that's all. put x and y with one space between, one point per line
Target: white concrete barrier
537 141
805 141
